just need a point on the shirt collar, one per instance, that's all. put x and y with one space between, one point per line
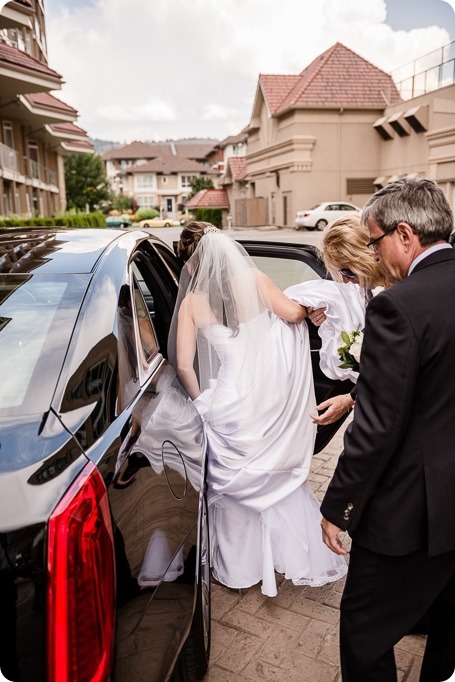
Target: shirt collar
427 252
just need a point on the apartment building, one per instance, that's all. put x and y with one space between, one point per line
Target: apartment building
342 128
36 128
159 174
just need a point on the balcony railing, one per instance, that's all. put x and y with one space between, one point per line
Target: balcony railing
432 71
34 169
8 158
51 176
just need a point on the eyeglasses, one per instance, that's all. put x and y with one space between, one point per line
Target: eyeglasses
345 272
373 244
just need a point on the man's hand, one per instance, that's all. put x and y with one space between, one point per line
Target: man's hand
334 408
330 537
317 315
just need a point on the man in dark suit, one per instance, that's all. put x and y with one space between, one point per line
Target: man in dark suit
394 486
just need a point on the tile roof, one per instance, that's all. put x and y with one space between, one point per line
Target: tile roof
209 198
238 167
18 58
27 3
337 78
47 101
78 144
70 128
276 88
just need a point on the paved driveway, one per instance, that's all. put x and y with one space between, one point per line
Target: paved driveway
293 636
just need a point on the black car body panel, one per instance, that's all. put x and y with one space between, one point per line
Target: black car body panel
101 394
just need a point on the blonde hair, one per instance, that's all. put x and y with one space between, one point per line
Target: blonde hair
344 246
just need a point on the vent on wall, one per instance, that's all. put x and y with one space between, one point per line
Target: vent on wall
360 186
417 117
381 128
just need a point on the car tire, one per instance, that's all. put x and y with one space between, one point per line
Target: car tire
167 224
321 224
145 225
193 661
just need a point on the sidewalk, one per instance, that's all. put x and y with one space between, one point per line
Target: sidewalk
294 636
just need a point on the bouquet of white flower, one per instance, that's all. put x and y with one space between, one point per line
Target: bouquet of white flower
349 352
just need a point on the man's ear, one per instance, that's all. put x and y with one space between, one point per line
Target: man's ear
405 233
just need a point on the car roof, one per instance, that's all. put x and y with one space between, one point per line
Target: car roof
53 250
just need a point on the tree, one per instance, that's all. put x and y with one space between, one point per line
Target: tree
202 182
86 182
121 202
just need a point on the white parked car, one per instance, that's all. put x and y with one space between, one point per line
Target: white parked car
320 215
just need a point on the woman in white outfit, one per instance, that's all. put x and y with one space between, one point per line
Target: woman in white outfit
241 350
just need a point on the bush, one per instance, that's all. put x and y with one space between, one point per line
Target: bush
146 214
62 220
210 215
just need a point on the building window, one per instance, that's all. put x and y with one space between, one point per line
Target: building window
144 181
186 180
146 201
8 137
125 163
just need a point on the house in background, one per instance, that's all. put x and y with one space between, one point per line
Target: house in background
159 174
342 128
210 198
32 139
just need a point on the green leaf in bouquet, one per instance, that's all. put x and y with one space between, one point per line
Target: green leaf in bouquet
345 338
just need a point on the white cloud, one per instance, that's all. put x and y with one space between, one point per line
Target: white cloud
161 69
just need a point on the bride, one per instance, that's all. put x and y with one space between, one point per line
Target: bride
242 352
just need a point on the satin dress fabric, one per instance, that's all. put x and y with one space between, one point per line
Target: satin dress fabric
263 516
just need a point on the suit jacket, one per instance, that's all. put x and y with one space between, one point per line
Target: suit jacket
394 486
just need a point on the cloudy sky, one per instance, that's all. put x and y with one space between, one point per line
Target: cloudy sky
157 69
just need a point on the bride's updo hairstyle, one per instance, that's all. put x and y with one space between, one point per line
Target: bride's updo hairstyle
190 238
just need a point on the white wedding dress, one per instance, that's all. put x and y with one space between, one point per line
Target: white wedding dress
263 516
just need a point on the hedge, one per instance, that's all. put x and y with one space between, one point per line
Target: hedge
65 220
210 215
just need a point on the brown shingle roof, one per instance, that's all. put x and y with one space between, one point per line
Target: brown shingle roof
11 55
194 151
137 150
341 78
150 150
165 163
47 101
209 198
238 167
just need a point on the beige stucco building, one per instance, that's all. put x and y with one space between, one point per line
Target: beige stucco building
342 128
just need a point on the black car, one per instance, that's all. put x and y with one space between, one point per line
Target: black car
104 544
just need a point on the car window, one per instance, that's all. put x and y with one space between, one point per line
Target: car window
333 207
144 304
285 272
37 317
347 207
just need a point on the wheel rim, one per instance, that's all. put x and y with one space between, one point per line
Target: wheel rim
321 224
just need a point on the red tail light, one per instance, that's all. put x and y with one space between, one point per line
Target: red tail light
81 584
305 215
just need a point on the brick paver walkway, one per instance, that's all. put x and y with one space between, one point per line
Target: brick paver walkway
293 636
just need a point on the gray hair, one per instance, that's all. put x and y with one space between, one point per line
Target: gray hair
416 201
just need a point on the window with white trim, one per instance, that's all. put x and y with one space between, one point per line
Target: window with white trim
146 201
185 180
144 181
